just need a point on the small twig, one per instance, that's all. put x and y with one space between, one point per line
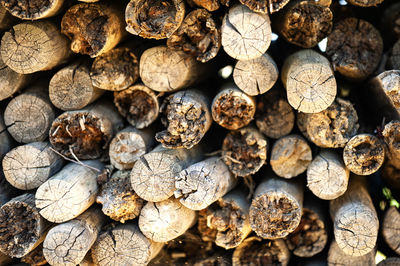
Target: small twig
77 161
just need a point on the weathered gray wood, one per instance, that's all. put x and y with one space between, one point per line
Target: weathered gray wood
391 229
336 256
6 141
11 81
33 10
393 261
35 257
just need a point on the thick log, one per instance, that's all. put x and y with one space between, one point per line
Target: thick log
327 175
28 166
71 87
210 5
391 229
187 118
266 6
391 135
154 19
336 256
365 3
355 48
198 36
138 104
33 10
119 201
93 28
274 115
355 221
34 46
165 220
11 81
67 243
391 261
6 19
28 117
35 257
245 34
244 151
256 76
153 176
22 228
85 133
68 193
290 156
309 81
255 251
276 207
203 183
124 245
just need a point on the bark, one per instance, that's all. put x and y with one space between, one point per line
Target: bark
365 3
34 9
28 166
28 117
336 256
11 81
71 87
85 133
22 228
391 229
276 207
256 76
274 115
233 109
355 48
165 220
68 193
244 151
355 220
35 257
6 19
93 28
391 135
309 81
327 175
255 251
245 34
119 201
210 5
265 6
166 70
393 261
187 118
203 183
154 19
198 36
124 245
290 156
30 47
153 176
138 104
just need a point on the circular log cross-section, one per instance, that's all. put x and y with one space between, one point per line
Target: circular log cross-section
391 229
391 135
11 81
245 34
336 256
211 5
34 46
365 3
33 9
198 36
355 48
309 81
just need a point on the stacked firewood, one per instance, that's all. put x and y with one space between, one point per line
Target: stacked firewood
200 132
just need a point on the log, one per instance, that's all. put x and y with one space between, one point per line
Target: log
364 154
68 193
391 134
6 141
203 183
233 109
7 192
87 260
393 261
187 118
28 166
34 46
365 3
166 70
304 23
394 56
218 259
154 20
256 76
115 70
138 104
390 22
71 87
11 81
327 175
35 257
68 243
198 36
165 220
33 10
274 115
85 133
210 5
245 34
276 207
391 228
28 116
93 28
355 48
355 220
336 256
309 81
244 151
119 201
124 245
256 251
270 6
6 19
23 229
391 176
290 156
153 176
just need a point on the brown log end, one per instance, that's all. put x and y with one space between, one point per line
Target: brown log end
365 3
33 9
211 5
35 257
391 134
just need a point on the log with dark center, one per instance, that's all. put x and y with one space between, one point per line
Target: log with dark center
391 135
211 5
33 9
265 6
365 3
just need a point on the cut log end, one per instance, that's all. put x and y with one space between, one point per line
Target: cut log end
34 9
391 134
391 229
365 3
337 257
